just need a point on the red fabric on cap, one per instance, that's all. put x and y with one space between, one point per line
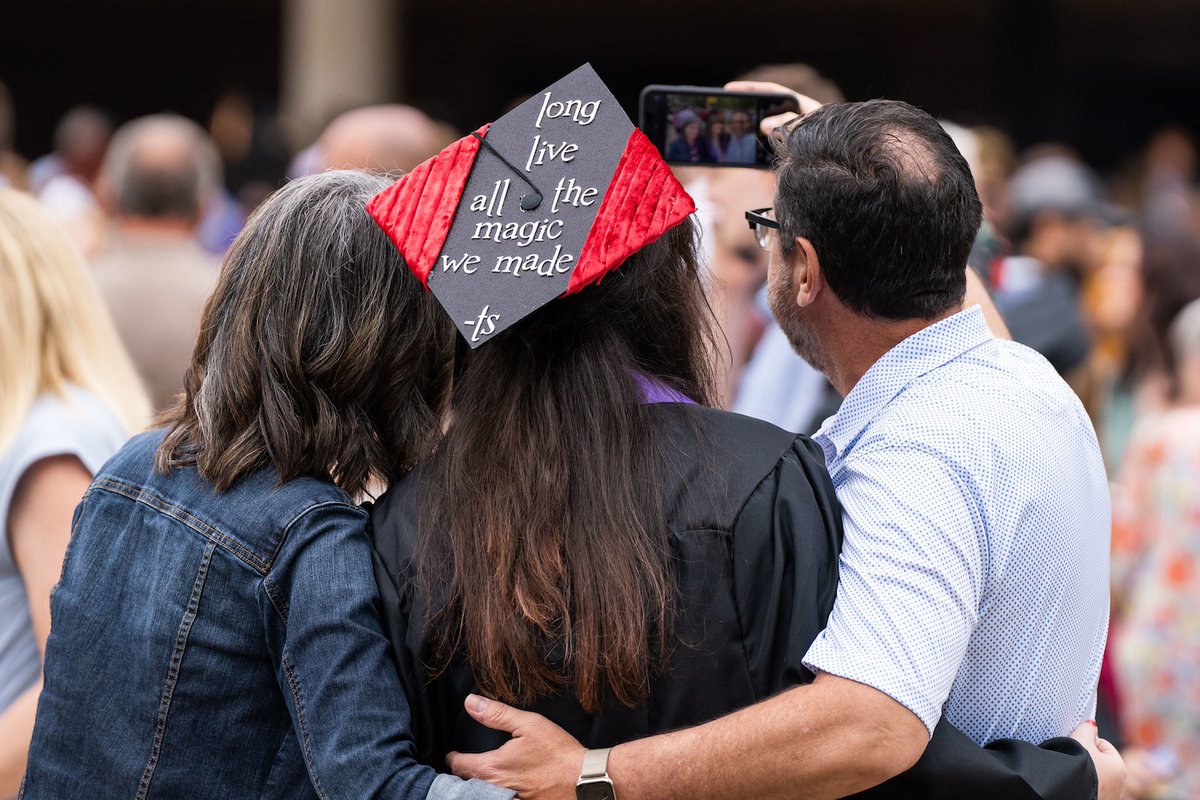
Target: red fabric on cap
416 211
642 203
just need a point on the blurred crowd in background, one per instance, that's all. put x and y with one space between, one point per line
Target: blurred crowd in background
1099 273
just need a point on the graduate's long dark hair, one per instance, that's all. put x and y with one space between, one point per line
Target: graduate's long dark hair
543 546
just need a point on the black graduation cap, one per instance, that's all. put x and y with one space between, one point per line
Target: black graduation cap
541 203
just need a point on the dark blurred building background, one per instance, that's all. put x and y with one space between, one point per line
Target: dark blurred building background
1099 74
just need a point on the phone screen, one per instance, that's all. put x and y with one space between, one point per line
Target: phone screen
709 127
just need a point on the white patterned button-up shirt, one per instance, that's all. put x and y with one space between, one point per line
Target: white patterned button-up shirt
974 574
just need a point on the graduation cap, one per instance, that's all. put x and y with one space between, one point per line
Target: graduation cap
541 203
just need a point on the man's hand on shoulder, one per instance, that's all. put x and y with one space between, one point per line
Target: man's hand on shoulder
540 762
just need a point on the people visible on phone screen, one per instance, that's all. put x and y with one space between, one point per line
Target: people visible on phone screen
691 145
718 135
743 144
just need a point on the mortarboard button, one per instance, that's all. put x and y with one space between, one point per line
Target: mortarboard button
528 201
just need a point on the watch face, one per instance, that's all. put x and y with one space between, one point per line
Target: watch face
597 789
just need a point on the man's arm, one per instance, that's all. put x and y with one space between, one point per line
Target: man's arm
829 739
833 738
545 758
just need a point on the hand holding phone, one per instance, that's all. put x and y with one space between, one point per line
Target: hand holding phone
766 126
700 126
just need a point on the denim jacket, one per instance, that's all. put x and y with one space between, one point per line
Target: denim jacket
228 645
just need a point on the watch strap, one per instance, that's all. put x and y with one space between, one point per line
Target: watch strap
595 764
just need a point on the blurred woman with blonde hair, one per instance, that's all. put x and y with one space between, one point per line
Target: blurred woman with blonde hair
69 397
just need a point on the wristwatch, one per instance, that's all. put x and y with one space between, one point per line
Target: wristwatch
594 783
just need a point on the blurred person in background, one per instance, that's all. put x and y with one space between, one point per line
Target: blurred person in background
80 141
386 139
1170 204
742 146
1143 304
153 274
69 397
231 129
249 135
1156 584
1129 300
1149 384
64 180
1056 209
691 144
718 137
1161 182
1112 298
996 160
12 166
985 150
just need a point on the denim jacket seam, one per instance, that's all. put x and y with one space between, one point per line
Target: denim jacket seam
297 698
273 594
71 540
173 670
276 598
164 506
287 529
281 607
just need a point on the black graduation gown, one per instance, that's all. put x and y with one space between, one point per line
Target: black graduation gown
756 531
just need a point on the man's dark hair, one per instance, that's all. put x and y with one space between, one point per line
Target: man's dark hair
887 201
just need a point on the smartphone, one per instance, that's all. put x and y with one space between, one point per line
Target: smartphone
697 125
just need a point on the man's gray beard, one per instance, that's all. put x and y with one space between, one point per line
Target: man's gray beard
781 297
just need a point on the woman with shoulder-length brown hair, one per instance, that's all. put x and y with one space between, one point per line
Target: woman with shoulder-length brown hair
215 631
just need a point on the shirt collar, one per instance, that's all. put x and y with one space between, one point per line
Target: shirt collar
924 351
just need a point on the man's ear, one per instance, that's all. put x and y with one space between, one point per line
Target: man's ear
806 272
